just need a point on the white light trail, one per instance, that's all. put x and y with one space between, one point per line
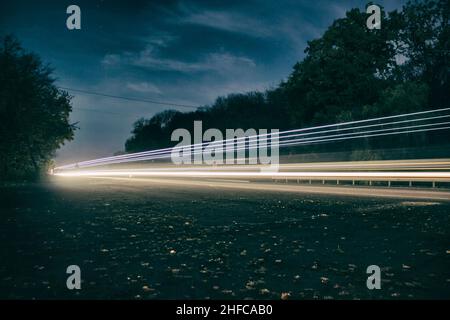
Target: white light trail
200 146
361 175
147 155
298 142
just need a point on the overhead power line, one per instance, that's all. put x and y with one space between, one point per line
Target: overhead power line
102 111
165 103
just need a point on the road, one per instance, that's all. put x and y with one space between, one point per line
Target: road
422 170
349 191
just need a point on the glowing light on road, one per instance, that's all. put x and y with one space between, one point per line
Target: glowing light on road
250 174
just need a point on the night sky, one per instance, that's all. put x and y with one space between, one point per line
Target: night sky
186 52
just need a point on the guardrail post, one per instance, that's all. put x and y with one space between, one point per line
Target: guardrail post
410 183
434 184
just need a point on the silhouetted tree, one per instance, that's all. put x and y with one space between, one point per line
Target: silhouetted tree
150 134
344 70
424 43
34 114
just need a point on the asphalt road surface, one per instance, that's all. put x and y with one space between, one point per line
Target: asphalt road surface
153 239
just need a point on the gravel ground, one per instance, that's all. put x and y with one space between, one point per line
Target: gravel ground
167 242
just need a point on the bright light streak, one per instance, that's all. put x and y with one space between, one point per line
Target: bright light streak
141 155
361 175
362 135
297 142
200 146
421 164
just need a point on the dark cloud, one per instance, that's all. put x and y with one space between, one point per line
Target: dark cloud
186 52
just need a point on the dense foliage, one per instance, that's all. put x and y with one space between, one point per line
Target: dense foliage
349 73
34 114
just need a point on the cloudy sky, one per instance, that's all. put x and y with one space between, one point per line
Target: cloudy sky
182 52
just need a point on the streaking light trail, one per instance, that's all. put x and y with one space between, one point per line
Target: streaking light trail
285 132
379 176
293 142
291 137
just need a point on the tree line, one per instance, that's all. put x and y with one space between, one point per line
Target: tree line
349 73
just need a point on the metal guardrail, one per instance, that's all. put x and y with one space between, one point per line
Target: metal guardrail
369 177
